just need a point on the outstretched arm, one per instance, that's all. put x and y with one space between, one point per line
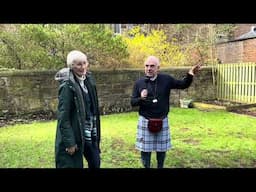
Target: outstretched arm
187 80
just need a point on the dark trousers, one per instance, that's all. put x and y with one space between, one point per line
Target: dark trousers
92 154
146 159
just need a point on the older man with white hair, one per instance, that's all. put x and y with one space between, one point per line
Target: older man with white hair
151 93
78 127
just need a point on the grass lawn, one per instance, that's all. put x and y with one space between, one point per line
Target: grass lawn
214 139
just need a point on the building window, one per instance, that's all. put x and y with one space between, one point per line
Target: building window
117 28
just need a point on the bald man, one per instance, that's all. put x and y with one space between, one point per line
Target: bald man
151 93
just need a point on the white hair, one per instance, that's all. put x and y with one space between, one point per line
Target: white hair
74 56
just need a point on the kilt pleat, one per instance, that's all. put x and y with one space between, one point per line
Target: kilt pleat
147 141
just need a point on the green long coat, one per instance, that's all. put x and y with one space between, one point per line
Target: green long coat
71 120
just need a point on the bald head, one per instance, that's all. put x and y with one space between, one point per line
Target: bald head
152 59
152 66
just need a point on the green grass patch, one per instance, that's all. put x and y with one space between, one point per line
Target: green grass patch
216 139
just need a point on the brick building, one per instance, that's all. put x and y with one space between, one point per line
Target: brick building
242 48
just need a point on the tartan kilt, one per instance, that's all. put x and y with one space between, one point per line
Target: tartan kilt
147 141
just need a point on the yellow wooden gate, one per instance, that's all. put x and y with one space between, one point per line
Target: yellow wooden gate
236 82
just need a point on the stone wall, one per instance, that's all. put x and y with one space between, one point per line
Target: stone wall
26 92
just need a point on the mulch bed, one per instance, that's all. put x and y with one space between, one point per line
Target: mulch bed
26 118
248 111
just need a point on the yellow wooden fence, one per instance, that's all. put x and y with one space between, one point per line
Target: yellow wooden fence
236 82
